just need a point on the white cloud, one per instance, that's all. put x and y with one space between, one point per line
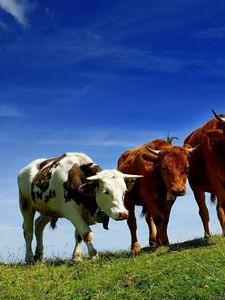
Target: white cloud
16 8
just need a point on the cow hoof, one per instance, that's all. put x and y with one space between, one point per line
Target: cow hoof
92 252
78 258
29 260
207 235
136 248
152 244
38 257
95 257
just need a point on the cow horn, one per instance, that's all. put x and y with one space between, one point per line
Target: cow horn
153 151
130 176
191 150
94 177
218 117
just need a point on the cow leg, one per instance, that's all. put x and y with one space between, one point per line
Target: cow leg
28 220
203 210
152 230
40 224
162 237
161 229
221 212
71 213
77 253
132 224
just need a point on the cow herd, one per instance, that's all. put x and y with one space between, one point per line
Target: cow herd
152 176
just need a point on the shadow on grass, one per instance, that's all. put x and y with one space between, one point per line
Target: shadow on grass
109 256
177 247
196 243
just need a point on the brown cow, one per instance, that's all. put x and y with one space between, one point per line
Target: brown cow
207 168
165 173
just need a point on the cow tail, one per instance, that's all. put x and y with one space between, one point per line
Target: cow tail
144 212
53 222
213 197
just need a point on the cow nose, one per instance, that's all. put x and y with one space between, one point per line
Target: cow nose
123 215
178 192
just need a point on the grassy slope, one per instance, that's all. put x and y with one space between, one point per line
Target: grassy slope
191 270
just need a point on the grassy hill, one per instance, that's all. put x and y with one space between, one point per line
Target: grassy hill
190 270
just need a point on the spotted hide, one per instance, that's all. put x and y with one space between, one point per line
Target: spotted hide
71 186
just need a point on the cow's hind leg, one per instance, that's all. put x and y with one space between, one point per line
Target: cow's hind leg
40 224
28 220
77 253
203 210
221 212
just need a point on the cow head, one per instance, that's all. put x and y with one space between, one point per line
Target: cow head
109 187
218 132
173 163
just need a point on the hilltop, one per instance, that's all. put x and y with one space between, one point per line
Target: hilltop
189 270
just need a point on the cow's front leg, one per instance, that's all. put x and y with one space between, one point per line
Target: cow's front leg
152 230
71 213
161 227
132 224
40 224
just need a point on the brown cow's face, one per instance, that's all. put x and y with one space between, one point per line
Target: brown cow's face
174 168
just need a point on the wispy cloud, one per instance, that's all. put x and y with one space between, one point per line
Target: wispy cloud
86 47
212 33
10 112
18 9
111 137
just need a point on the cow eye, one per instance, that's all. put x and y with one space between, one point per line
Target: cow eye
106 192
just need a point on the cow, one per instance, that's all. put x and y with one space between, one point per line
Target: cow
71 186
207 168
165 170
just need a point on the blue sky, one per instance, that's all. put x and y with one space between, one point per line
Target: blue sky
101 77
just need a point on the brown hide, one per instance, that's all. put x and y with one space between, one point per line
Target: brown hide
207 168
164 178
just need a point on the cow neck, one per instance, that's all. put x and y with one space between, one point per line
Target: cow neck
77 176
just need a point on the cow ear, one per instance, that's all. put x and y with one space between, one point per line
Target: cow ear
88 188
147 156
130 182
216 134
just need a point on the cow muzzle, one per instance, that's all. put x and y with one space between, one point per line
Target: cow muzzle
178 192
122 215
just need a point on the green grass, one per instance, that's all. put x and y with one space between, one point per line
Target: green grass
190 270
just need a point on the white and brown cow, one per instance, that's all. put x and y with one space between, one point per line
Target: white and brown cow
71 186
